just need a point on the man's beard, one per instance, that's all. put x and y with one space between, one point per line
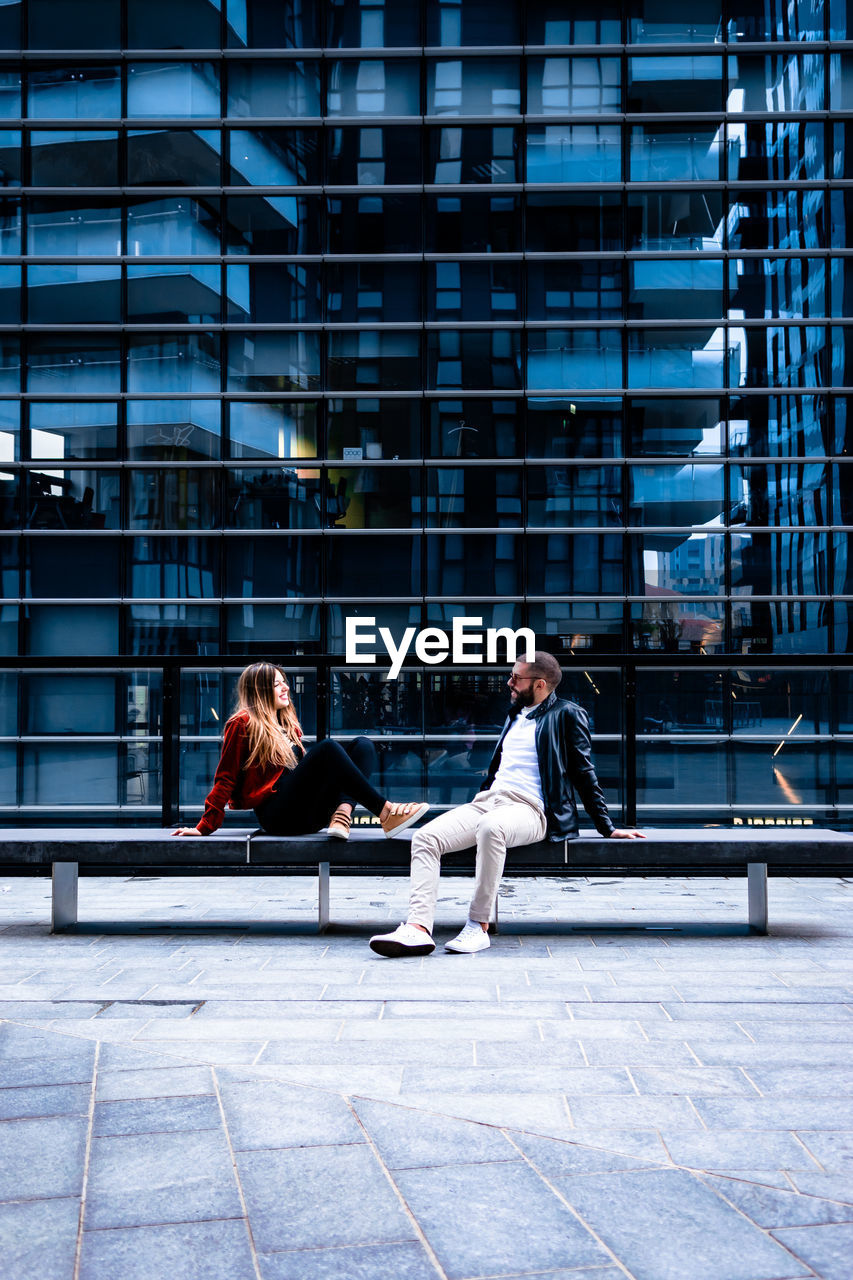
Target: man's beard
523 698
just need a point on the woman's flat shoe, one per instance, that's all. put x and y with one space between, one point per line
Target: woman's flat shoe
402 816
339 826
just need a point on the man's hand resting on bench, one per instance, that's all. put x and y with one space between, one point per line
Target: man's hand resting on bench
626 833
187 831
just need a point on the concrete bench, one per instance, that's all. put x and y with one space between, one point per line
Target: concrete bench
67 854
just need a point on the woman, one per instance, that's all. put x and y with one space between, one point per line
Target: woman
293 791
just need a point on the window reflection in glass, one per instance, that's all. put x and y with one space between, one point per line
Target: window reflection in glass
663 564
173 157
86 93
573 221
465 704
260 629
574 626
553 22
474 291
173 430
679 701
575 290
780 219
575 564
10 295
842 575
676 153
780 626
273 498
196 27
473 87
684 427
58 773
476 22
81 703
755 20
672 289
10 364
802 777
70 565
473 564
273 224
373 156
675 84
272 88
394 616
780 426
264 429
174 293
366 24
677 772
72 499
574 153
580 86
369 428
775 82
677 626
74 364
373 224
271 24
275 157
62 227
470 358
264 361
473 153
764 151
173 567
173 89
173 498
272 566
75 429
574 496
75 24
676 495
179 363
10 25
569 427
174 226
475 428
679 357
371 358
789 355
274 293
782 494
579 358
472 497
64 158
155 630
373 498
785 564
373 87
10 431
369 565
373 291
473 223
658 22
791 288
10 226
675 220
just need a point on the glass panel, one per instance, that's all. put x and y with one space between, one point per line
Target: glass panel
776 82
365 24
676 153
173 227
373 498
66 774
679 427
373 224
273 88
74 365
678 626
259 361
370 566
10 25
574 153
275 157
285 293
679 701
169 566
675 220
757 20
8 704
273 498
373 87
677 772
70 702
464 704
564 428
173 89
761 151
676 84
474 564
842 580
843 622
10 422
190 26
779 426
73 429
10 564
472 497
371 428
573 86
784 564
473 153
370 157
10 364
373 291
473 86
678 357
473 224
670 289
574 358
179 430
842 703
74 24
394 616
574 496
780 219
158 630
470 358
583 564
68 157
176 363
474 428
553 22
667 564
273 24
198 761
74 294
366 702
10 225
791 288
272 566
172 499
841 434
473 291
793 356
780 494
72 500
660 22
505 613
173 157
578 625
800 775
573 221
86 93
263 628
476 22
842 494
273 224
374 358
577 290
10 295
71 566
61 227
68 631
174 293
787 626
11 497
10 158
676 495
263 429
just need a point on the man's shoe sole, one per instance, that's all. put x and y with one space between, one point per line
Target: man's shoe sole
386 947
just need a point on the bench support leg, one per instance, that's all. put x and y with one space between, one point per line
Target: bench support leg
63 905
756 873
322 897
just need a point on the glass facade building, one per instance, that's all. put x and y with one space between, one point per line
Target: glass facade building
536 313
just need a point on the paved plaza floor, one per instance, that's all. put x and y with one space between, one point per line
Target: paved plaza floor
211 1090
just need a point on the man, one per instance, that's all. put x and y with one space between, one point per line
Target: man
542 758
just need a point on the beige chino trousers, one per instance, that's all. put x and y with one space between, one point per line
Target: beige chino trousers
494 821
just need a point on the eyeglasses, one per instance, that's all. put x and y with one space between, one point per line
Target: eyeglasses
521 679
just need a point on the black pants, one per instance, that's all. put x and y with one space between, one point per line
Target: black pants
329 774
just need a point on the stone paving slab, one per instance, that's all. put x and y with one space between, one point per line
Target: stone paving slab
265 1104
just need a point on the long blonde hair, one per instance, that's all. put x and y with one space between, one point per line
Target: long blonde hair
272 731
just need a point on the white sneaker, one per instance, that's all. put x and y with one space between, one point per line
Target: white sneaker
406 940
471 939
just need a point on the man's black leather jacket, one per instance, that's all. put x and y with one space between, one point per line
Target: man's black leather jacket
564 749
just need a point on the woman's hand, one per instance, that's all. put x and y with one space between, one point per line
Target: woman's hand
187 831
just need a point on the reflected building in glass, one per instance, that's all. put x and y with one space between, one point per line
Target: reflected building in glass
537 313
